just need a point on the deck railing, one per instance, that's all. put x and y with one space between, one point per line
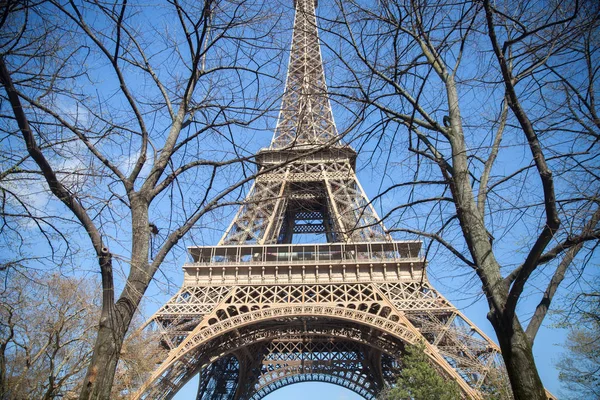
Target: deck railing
393 251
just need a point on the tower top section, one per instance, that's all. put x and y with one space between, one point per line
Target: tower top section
305 118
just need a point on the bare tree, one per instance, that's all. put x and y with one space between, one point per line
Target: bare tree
23 211
495 103
129 113
579 365
48 329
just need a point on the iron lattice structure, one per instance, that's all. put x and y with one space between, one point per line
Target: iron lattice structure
258 312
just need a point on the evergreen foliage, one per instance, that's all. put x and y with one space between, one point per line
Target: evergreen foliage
419 380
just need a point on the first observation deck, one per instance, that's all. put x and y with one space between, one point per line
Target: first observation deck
305 263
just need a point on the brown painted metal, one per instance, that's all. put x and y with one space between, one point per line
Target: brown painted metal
257 311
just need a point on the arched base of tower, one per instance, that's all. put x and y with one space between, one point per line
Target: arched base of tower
286 357
358 345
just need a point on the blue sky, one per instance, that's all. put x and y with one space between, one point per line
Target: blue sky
457 284
313 390
298 391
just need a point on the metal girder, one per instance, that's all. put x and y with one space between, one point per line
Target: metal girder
346 362
305 118
219 380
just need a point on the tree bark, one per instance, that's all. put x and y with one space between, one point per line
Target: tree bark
101 371
517 352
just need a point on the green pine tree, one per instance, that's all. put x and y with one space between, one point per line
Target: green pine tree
418 380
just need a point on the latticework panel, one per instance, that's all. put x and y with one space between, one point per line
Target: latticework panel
219 380
414 296
314 377
327 195
184 311
345 363
353 213
264 204
347 295
458 340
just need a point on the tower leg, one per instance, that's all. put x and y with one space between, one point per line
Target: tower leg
373 362
219 380
251 358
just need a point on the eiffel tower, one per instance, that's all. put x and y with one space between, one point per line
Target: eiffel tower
261 310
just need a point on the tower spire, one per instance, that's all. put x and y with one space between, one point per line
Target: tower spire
305 118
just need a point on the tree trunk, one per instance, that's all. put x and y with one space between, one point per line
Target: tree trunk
514 343
116 317
101 371
518 358
3 382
